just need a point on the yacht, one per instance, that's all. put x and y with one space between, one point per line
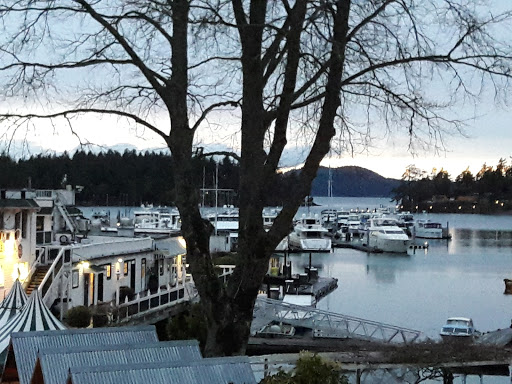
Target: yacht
353 223
342 220
269 214
384 234
166 219
309 235
427 229
405 220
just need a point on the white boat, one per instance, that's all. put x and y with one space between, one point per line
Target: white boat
342 220
269 214
276 329
164 218
427 229
309 235
459 328
385 235
100 218
329 217
405 220
353 223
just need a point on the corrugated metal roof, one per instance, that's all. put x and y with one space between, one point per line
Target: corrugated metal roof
26 344
54 363
236 370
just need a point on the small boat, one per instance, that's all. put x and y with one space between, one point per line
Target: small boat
459 329
275 329
100 218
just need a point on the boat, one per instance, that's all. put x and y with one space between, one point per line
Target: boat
384 234
353 223
269 214
161 218
459 329
100 218
342 220
276 329
405 220
426 229
310 236
225 221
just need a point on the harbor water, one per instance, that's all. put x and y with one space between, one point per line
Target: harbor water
462 276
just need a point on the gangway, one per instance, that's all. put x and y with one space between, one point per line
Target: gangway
329 324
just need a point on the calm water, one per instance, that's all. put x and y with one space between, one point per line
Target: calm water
458 277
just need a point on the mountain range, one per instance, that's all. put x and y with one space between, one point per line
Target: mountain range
352 181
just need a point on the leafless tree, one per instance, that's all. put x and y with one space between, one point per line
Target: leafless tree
326 68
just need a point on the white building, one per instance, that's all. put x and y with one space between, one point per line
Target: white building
45 242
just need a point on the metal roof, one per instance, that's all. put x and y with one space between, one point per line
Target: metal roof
12 303
26 344
54 363
235 370
18 203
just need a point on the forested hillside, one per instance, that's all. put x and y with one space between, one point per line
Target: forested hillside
132 178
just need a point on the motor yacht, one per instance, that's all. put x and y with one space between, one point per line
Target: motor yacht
384 234
427 229
309 235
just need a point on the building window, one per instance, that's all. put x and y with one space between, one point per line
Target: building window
39 223
143 269
125 268
161 267
108 268
24 220
2 278
74 278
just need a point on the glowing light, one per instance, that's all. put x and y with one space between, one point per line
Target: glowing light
20 271
10 248
85 264
182 242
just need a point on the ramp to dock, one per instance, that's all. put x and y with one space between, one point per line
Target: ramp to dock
328 324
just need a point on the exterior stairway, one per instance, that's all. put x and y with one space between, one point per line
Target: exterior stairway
36 279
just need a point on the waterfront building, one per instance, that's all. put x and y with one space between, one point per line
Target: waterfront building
45 243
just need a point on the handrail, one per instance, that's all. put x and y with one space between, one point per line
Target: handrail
334 325
50 274
34 265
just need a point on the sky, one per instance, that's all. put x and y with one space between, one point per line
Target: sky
488 138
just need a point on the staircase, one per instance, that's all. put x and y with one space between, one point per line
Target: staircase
36 279
67 218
